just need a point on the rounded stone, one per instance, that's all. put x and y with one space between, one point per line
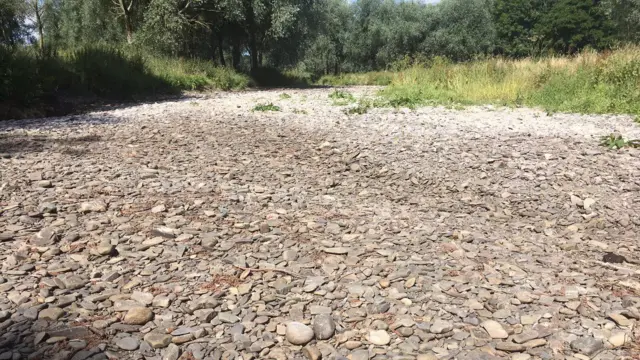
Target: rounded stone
138 316
379 337
298 333
128 343
323 327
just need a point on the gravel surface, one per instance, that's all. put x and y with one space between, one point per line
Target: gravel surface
198 229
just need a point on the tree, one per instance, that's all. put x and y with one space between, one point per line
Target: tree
625 15
571 25
515 21
12 17
37 10
461 30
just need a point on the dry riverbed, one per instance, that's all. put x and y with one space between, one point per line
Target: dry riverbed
199 229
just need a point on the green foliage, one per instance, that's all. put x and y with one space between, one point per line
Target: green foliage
379 78
341 97
571 25
271 77
616 142
364 105
285 96
588 83
266 107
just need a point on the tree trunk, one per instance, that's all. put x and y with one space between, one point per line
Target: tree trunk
129 28
221 49
38 13
260 59
126 14
235 55
251 27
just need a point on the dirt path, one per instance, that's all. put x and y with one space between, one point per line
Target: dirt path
200 229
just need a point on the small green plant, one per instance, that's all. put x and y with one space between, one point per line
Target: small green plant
299 111
285 96
616 141
637 119
194 103
266 107
362 108
341 97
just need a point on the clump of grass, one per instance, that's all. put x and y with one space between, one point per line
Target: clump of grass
285 96
616 141
300 111
266 107
341 97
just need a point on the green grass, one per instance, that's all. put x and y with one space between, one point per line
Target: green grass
266 107
616 141
587 83
341 97
284 96
380 78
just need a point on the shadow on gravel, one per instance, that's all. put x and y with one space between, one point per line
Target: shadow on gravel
40 339
12 144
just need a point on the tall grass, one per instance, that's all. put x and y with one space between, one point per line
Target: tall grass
32 85
587 83
369 78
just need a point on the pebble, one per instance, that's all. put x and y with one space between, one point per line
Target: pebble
298 333
157 340
128 343
323 327
138 316
379 337
495 330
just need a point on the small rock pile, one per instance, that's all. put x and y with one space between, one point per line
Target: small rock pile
199 229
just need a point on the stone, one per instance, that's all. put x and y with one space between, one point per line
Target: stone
495 330
379 337
618 339
586 345
620 319
138 316
53 314
105 248
229 318
128 343
337 250
45 237
298 333
172 352
92 206
312 353
323 327
509 346
157 340
588 203
441 326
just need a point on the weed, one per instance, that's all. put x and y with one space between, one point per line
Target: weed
341 97
300 111
266 107
285 96
616 141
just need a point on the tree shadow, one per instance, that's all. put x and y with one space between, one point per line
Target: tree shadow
23 136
